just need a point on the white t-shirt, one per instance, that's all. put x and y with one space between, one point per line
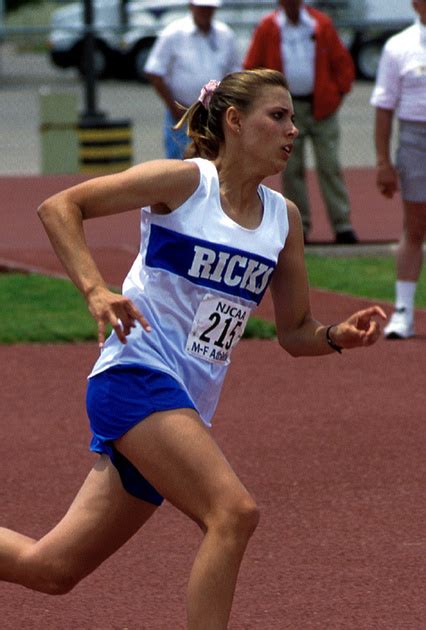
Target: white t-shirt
186 58
401 77
197 278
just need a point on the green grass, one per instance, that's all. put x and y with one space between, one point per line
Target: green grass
35 308
368 277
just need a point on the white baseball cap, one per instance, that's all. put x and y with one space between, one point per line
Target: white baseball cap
206 3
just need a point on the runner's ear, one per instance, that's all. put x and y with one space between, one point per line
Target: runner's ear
232 119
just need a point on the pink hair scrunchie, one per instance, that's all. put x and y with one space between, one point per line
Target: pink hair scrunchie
207 92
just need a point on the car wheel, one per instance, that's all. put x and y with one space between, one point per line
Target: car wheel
367 59
100 61
139 57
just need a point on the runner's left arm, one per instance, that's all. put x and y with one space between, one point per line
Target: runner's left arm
299 333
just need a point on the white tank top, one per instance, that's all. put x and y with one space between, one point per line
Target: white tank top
196 279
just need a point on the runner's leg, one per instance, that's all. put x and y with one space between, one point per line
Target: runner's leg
102 517
175 452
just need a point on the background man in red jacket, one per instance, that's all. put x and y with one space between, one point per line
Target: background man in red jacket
302 43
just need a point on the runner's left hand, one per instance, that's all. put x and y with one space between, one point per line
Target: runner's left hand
360 329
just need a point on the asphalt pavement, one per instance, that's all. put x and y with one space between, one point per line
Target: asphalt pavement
24 76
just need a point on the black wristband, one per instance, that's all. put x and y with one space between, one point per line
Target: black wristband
330 342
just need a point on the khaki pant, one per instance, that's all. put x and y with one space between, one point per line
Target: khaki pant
324 135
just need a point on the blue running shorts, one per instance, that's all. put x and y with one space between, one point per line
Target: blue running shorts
118 399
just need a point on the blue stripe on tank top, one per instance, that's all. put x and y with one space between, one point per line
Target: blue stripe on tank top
212 265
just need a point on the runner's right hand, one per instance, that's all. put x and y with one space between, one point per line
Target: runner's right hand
112 308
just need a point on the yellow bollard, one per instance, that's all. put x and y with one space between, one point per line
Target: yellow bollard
105 146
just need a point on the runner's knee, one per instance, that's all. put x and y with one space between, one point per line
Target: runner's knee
59 584
51 577
238 519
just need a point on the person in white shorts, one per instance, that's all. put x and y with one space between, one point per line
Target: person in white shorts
213 237
401 87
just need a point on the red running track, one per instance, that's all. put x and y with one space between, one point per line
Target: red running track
332 449
115 240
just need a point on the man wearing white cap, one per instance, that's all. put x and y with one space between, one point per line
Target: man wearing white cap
186 55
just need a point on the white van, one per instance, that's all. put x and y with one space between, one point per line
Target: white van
66 36
126 31
379 20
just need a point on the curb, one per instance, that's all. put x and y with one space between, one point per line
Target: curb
360 249
11 266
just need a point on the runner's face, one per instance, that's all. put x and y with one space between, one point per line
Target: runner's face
268 131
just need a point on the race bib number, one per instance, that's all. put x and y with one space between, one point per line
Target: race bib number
217 327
